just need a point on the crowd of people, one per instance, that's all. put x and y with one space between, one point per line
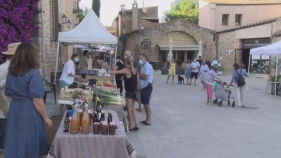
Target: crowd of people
207 74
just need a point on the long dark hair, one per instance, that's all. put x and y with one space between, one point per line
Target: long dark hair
24 59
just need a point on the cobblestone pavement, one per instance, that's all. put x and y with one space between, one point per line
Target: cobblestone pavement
183 126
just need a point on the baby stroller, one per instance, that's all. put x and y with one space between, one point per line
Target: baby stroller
223 92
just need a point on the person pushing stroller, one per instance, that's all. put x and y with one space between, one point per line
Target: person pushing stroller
210 77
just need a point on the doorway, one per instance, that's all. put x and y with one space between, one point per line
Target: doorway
245 59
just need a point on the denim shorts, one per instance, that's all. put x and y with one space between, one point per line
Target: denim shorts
146 94
2 132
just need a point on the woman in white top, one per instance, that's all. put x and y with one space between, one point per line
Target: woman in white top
68 73
209 81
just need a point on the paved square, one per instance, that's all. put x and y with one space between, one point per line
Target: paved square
183 126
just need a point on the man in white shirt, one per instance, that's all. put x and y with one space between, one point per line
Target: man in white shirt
195 65
4 103
68 73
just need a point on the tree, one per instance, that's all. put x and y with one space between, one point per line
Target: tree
187 10
16 21
82 13
96 7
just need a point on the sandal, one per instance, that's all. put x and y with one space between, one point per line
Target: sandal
136 128
143 121
146 123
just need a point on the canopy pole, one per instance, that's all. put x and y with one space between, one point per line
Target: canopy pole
247 82
276 75
57 60
115 55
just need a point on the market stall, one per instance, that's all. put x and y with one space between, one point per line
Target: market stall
97 143
89 32
269 50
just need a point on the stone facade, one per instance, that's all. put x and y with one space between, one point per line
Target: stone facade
156 32
48 47
232 40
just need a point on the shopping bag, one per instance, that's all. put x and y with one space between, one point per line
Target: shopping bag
216 86
221 93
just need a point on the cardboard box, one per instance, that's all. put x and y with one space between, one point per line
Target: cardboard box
51 131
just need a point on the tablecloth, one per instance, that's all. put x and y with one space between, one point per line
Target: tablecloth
66 145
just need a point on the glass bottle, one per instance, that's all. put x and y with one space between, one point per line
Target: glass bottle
66 123
75 121
85 122
109 118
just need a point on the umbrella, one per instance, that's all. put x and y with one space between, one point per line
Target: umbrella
200 49
170 55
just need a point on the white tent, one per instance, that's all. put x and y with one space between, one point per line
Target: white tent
89 31
269 50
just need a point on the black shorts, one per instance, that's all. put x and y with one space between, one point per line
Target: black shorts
83 76
194 74
146 94
130 95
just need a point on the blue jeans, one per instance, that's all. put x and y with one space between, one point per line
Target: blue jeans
2 132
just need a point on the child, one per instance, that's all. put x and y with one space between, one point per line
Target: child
209 80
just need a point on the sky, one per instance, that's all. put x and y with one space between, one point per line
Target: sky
110 8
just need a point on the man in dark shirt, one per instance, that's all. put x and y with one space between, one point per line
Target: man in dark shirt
119 77
199 60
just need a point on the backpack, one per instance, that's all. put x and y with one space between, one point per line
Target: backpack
240 79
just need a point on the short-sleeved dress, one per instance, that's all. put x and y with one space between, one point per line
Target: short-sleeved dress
188 69
25 135
172 69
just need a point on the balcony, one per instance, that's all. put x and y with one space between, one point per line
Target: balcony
75 6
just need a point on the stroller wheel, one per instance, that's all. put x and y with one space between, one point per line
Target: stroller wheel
220 103
228 102
215 101
233 104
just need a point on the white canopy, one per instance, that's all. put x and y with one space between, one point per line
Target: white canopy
272 49
269 50
90 30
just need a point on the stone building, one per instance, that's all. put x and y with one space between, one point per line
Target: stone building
234 45
220 15
241 25
50 23
139 30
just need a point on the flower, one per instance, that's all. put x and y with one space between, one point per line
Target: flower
16 21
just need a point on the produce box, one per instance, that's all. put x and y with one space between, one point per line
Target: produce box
64 95
51 131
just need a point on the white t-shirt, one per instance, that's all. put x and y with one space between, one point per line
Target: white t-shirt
204 70
4 72
68 68
196 65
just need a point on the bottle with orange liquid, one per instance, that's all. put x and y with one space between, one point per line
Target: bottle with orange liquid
85 122
75 121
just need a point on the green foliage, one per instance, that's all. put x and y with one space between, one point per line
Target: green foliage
96 7
82 13
187 10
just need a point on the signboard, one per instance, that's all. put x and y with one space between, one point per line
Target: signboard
253 43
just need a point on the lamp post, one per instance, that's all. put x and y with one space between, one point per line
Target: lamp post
68 24
63 19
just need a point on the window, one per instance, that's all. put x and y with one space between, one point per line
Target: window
225 19
238 18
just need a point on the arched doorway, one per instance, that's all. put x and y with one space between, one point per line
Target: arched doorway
185 47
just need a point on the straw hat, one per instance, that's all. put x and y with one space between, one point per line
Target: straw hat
12 48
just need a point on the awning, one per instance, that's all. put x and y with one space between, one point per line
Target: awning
179 47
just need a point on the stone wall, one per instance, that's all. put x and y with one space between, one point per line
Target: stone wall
227 42
154 33
48 49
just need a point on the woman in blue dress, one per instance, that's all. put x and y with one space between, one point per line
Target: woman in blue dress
25 135
187 71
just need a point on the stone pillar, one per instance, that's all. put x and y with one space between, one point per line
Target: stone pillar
185 56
